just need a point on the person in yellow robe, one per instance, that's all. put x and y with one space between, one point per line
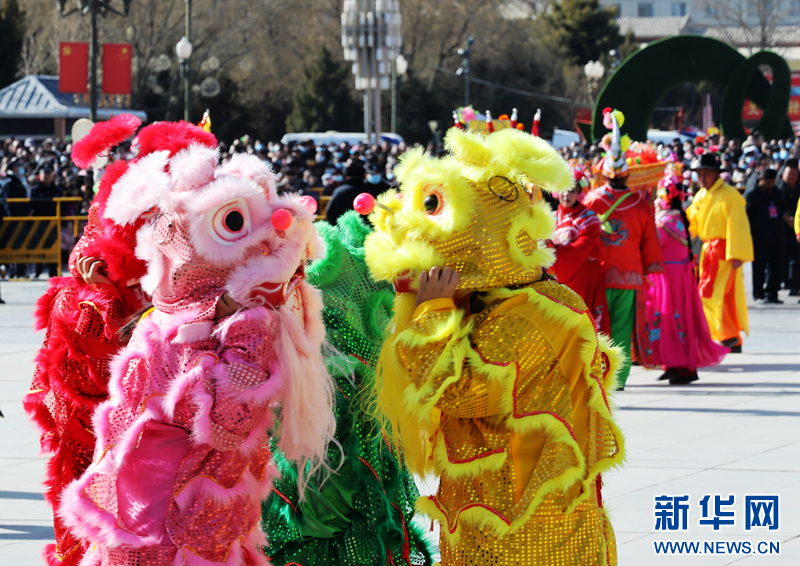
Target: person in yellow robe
493 376
717 215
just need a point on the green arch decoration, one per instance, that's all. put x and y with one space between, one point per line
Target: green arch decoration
649 74
774 117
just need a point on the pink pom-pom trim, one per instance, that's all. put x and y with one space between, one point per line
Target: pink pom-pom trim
309 204
364 203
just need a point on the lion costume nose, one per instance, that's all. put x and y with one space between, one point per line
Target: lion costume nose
282 219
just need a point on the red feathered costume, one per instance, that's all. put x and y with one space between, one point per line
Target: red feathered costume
82 323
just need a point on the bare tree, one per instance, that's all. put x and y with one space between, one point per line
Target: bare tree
748 23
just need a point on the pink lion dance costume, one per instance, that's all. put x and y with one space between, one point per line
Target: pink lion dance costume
81 322
182 459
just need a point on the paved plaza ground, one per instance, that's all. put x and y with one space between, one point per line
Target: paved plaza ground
734 432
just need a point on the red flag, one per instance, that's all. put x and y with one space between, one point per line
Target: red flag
73 67
117 68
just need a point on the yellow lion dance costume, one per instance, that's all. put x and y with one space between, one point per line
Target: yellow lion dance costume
501 392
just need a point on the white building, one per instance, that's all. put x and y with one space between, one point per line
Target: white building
747 24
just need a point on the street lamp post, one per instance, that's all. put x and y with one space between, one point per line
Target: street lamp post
464 69
184 51
371 39
399 68
594 71
94 8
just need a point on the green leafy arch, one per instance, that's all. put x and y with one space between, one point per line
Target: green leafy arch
649 74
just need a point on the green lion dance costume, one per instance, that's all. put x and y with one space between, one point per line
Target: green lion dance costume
362 514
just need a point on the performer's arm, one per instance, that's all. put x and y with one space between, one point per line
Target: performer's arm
237 385
739 242
572 257
650 248
797 223
691 213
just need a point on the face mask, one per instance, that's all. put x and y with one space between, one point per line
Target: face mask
259 146
339 154
320 159
302 149
338 178
784 154
694 177
390 175
373 179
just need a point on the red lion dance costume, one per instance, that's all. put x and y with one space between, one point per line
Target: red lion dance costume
81 322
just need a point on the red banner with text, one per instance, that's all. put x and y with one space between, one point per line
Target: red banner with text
117 68
73 67
751 112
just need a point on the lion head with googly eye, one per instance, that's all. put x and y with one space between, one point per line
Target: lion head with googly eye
214 229
477 211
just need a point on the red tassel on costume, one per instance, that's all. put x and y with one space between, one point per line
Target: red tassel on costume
458 124
536 119
489 123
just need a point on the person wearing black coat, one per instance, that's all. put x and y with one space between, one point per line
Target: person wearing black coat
766 211
357 181
788 185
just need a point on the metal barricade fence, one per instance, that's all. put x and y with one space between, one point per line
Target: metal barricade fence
36 239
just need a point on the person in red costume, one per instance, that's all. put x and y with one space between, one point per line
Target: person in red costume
83 315
577 244
630 247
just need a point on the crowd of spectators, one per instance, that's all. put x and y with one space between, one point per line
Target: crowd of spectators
341 171
40 172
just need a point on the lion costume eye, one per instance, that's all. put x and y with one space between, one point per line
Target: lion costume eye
230 222
432 203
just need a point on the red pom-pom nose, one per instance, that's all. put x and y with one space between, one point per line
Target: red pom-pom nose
309 204
364 203
282 219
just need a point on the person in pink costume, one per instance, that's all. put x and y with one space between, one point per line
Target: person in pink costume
577 244
679 333
182 459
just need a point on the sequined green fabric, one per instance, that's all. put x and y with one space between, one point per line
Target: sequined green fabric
362 515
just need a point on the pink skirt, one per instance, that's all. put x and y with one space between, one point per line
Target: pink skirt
678 328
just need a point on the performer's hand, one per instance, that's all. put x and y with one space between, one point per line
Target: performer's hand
798 238
736 263
89 268
226 307
437 284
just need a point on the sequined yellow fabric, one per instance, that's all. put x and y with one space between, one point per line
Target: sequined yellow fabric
524 427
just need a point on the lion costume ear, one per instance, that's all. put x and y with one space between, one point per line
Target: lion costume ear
102 137
251 167
141 188
531 157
